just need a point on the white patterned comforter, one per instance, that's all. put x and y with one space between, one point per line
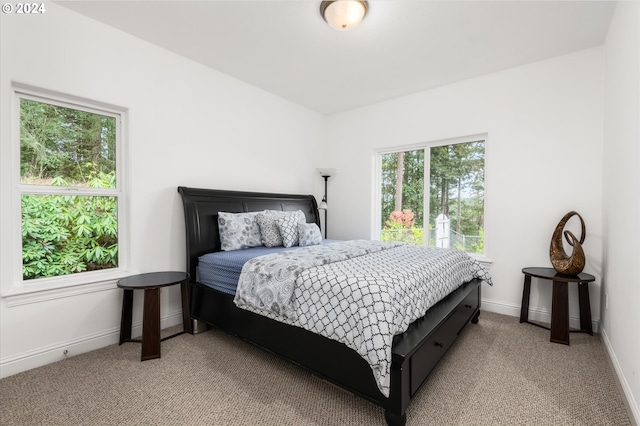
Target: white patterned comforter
360 293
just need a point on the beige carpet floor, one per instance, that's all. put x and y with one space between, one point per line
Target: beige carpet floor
499 372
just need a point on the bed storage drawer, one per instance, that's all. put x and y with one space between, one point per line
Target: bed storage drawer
426 358
464 311
434 348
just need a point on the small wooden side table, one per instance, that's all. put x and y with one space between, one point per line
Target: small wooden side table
559 301
151 284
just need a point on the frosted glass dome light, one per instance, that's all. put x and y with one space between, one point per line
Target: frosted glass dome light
343 15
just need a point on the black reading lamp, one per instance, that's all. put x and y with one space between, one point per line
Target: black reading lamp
326 174
323 204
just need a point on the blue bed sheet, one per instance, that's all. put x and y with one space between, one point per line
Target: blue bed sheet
221 270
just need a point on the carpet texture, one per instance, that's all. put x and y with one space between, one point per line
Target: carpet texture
499 372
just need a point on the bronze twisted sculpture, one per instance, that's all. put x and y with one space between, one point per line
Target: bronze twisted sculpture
561 261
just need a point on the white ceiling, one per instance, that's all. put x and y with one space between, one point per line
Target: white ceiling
401 47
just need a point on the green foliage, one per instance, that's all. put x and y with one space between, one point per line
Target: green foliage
66 234
69 143
412 183
479 246
401 227
457 190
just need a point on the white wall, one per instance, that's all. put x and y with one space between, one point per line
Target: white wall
188 125
193 126
621 203
543 159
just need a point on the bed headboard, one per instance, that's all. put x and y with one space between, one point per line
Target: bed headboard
201 207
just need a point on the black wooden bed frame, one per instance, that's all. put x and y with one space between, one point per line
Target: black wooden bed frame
415 352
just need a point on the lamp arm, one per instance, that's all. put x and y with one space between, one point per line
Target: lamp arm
324 201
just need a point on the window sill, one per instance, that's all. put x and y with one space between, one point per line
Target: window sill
484 261
25 294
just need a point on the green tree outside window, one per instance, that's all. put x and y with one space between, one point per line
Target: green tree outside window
455 189
67 151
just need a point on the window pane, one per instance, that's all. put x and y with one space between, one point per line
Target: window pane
66 234
456 204
403 197
66 147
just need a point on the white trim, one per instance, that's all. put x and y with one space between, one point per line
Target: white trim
53 353
14 263
66 100
431 144
36 290
377 180
535 314
26 294
486 262
68 190
426 173
632 404
376 211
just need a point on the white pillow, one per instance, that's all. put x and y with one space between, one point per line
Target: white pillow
288 228
238 230
309 234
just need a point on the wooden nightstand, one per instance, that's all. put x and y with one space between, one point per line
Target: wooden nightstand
559 301
151 284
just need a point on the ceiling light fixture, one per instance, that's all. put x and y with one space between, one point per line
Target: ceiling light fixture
343 15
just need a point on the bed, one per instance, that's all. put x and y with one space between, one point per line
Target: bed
414 353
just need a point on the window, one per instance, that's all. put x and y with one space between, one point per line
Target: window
70 186
434 195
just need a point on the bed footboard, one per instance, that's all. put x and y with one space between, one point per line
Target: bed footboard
418 350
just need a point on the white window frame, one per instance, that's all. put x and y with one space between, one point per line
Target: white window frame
40 289
377 181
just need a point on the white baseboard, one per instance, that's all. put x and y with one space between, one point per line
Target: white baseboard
535 314
53 353
49 354
631 403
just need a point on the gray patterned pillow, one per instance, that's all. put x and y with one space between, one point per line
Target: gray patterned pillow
288 228
238 230
270 235
309 234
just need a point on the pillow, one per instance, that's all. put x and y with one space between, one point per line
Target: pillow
270 236
238 230
309 234
288 228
